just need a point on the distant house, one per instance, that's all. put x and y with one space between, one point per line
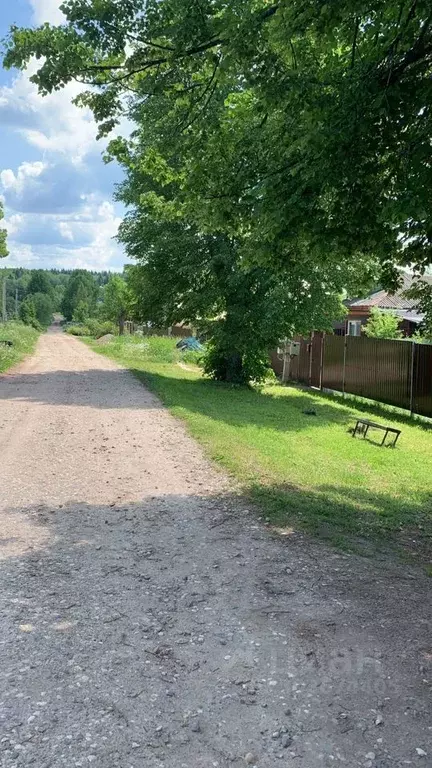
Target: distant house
359 309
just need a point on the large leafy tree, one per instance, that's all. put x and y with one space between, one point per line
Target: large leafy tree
184 274
80 289
44 308
291 137
244 308
40 282
116 302
243 311
306 121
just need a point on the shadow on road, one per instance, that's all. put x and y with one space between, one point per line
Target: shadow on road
93 388
102 388
147 624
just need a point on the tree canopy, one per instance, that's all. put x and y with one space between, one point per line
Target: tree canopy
81 291
44 308
280 150
116 301
40 282
290 122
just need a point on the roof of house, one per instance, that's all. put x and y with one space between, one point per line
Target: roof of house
386 300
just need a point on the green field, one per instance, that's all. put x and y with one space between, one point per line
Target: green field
24 340
305 470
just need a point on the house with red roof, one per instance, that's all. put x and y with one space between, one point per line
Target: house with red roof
398 303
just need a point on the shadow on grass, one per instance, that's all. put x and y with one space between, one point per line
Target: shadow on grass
381 410
353 518
240 406
236 406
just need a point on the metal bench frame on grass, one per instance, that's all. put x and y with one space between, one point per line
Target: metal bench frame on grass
366 424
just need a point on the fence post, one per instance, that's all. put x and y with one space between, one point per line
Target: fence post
344 364
412 378
310 358
323 338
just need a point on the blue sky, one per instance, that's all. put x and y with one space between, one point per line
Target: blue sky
55 187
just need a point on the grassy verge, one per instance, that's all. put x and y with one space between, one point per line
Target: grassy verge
23 339
304 469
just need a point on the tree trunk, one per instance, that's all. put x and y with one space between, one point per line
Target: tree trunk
121 326
234 368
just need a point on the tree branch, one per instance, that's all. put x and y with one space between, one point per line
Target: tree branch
209 84
354 44
415 55
196 49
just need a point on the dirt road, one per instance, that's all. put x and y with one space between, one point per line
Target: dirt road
148 619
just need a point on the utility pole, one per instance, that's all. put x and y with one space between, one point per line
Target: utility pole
4 300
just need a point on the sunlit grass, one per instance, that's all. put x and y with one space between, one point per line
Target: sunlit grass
305 470
23 339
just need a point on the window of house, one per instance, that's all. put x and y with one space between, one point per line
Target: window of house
354 327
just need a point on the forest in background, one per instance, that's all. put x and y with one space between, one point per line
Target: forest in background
34 295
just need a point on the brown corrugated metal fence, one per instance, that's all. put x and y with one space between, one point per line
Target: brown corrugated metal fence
391 371
333 363
422 380
379 369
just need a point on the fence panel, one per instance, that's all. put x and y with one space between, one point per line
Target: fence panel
379 369
333 361
303 366
422 383
315 363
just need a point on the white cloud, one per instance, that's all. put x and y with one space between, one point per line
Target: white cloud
51 123
83 239
47 10
23 256
44 188
17 183
65 230
57 207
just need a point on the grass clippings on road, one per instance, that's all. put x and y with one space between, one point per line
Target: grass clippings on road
23 338
305 470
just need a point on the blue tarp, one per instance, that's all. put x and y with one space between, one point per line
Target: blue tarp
190 343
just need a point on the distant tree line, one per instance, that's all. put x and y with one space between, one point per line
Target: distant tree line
34 296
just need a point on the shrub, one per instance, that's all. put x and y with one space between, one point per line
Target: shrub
27 313
193 357
98 328
81 312
92 327
222 363
78 330
383 325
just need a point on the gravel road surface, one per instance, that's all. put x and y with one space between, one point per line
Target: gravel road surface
148 618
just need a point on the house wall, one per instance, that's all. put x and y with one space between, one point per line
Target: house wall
359 313
408 328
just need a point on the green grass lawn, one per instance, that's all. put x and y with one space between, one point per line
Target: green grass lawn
306 471
24 340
